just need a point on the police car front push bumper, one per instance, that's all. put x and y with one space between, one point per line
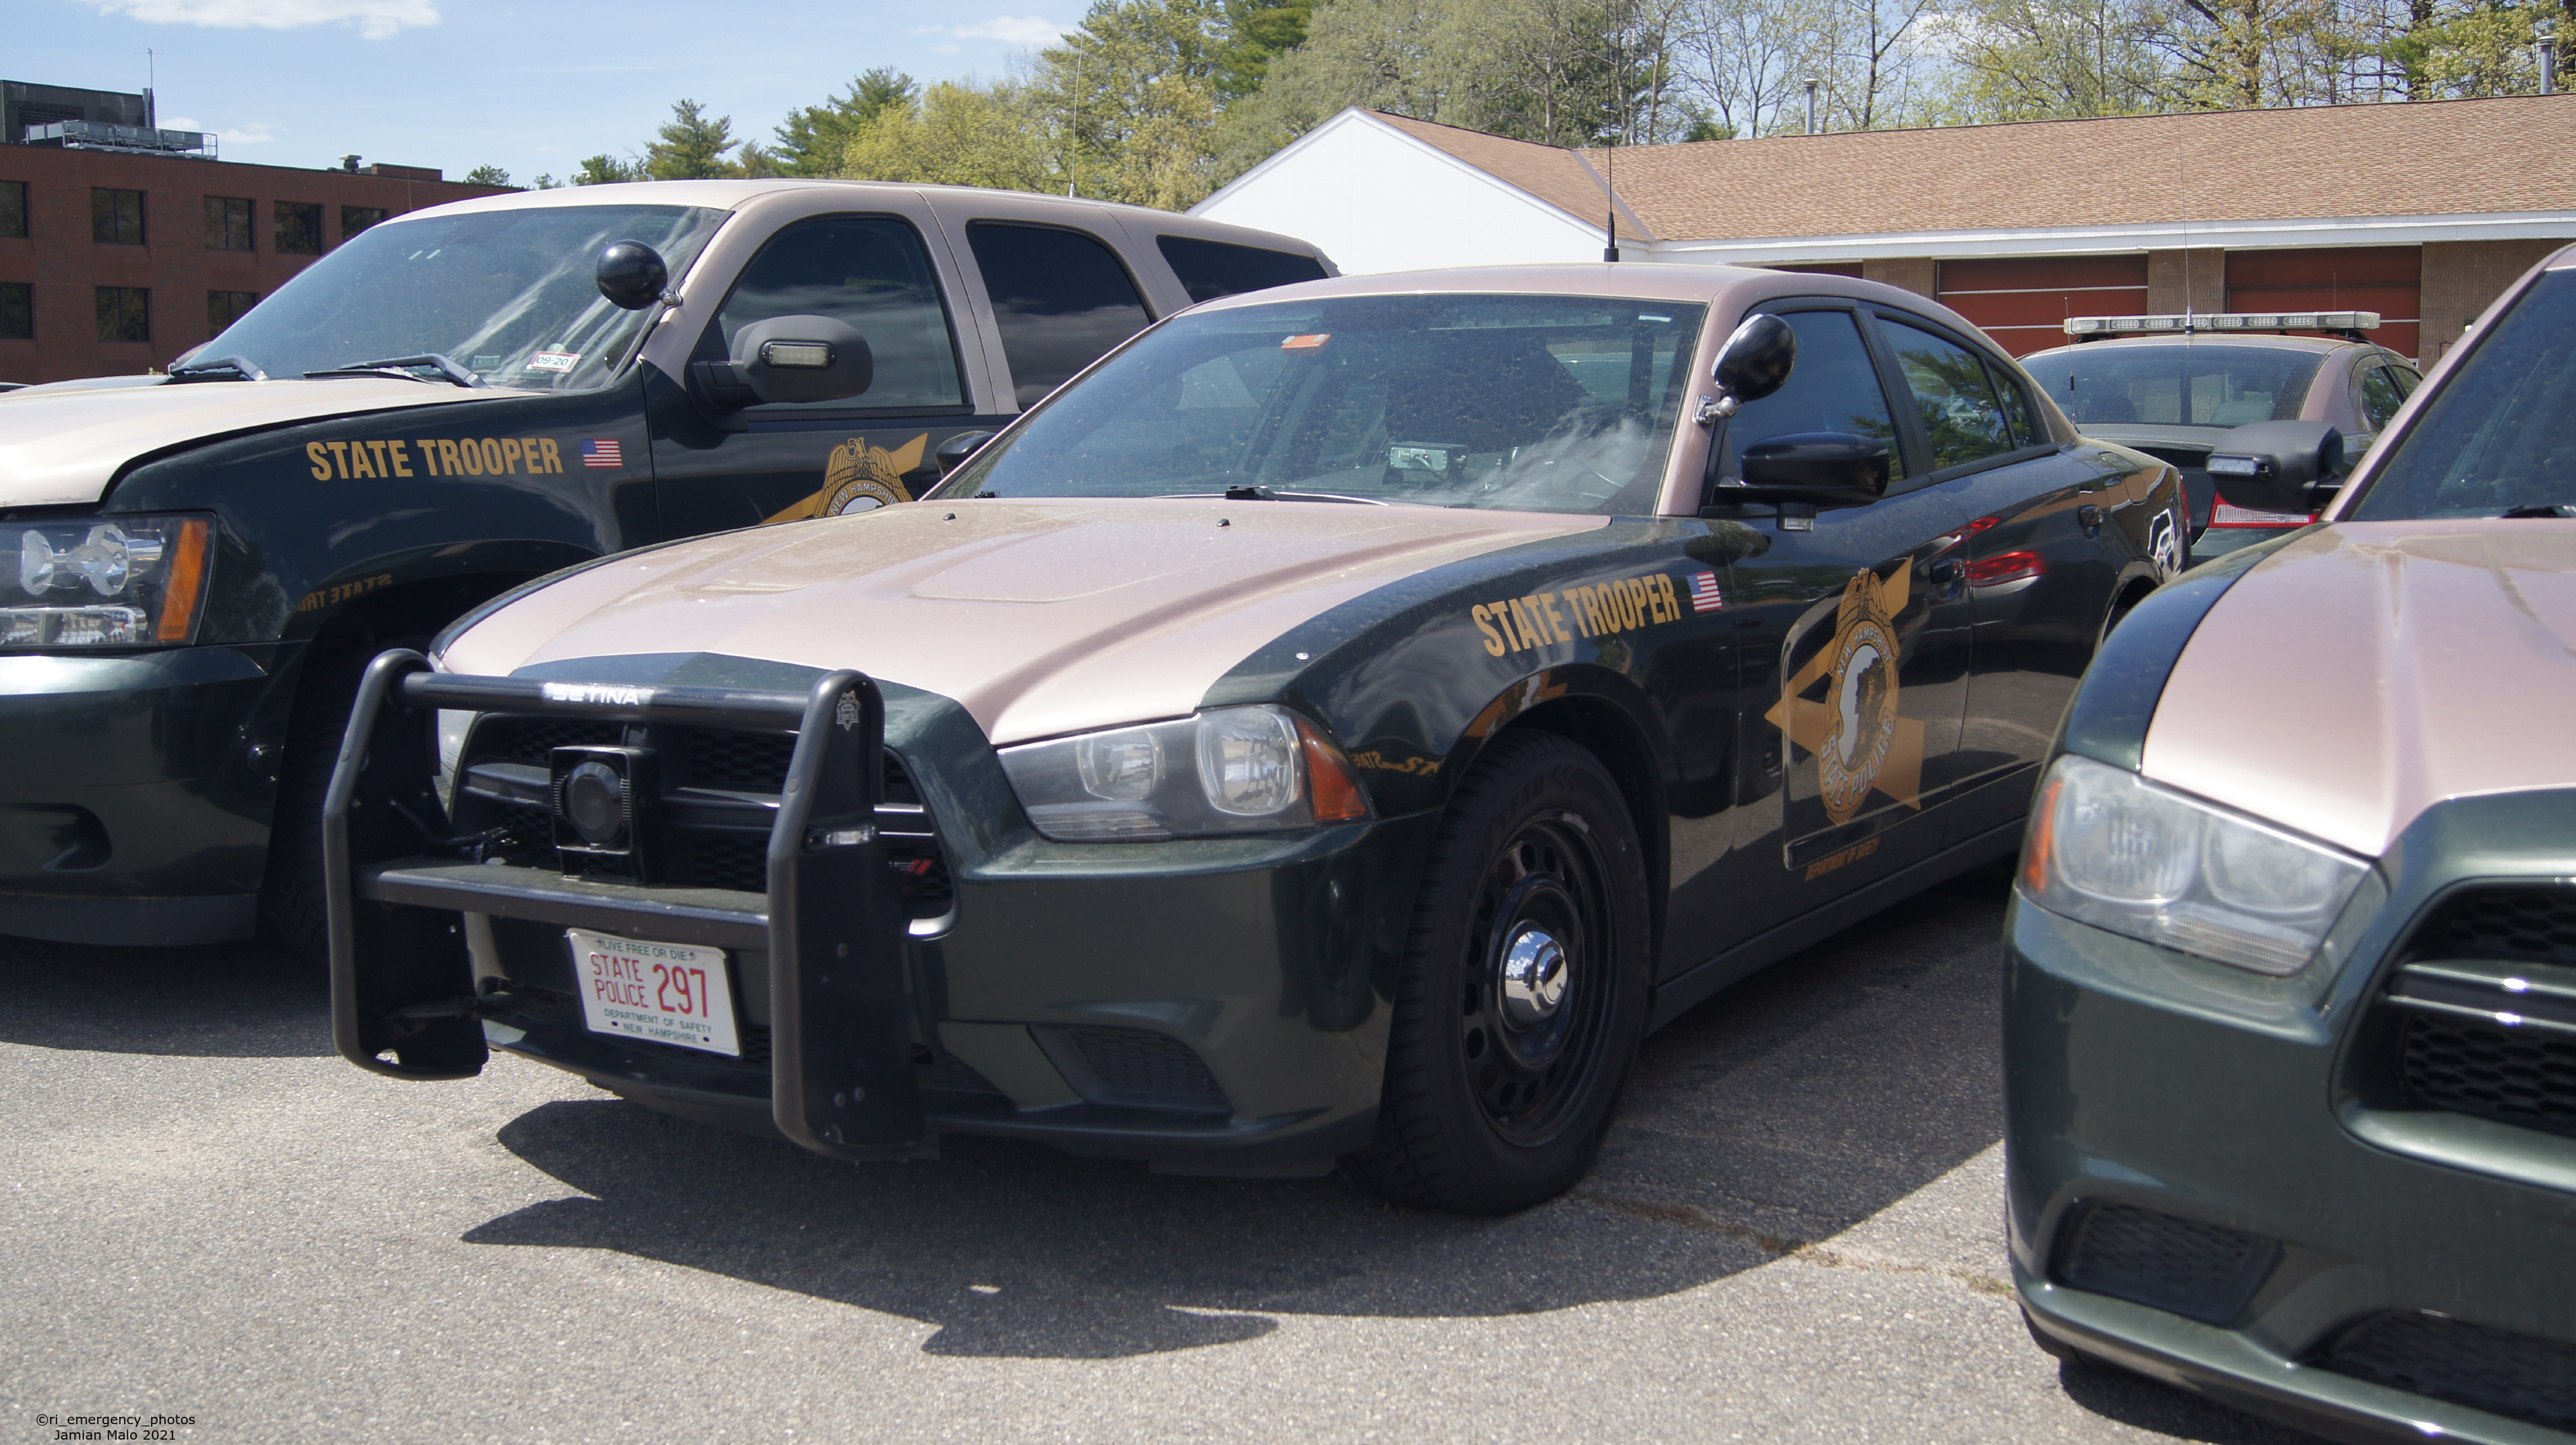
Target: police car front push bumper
403 991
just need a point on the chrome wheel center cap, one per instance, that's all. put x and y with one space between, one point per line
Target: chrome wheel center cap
1535 973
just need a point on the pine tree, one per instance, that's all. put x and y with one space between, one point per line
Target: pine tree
812 138
691 147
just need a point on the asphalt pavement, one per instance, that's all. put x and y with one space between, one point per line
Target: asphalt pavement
1794 1234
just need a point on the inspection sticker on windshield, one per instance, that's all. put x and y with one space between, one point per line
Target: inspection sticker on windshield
554 361
666 993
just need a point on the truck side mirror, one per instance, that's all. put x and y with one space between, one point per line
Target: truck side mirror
952 453
1818 469
2279 466
789 358
632 275
1756 360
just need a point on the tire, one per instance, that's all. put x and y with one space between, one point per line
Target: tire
1497 1099
291 898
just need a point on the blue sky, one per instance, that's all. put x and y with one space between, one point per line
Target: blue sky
459 83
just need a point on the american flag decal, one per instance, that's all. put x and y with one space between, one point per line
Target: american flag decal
1704 596
602 454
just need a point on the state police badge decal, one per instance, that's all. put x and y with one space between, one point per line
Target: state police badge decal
859 478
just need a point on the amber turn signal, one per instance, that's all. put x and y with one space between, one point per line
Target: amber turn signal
1333 786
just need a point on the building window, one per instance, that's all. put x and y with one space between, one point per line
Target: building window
354 219
299 227
124 313
17 311
13 210
228 223
115 217
223 308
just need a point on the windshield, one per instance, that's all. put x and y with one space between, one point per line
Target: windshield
2501 435
2194 384
1539 403
511 296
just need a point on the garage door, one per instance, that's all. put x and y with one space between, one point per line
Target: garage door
2023 301
2385 279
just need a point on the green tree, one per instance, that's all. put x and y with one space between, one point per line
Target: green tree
812 138
604 169
487 176
1258 32
961 134
691 147
1134 96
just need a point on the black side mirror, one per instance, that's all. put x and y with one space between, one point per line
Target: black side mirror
952 453
631 275
789 358
1756 360
1817 468
2279 466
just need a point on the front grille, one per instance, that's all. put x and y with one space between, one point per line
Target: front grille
542 1011
2463 1067
2522 924
2203 1271
750 762
1134 1068
2523 1376
534 739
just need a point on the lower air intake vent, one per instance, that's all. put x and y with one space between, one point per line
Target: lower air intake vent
1134 1068
2201 1271
2523 1376
2525 1079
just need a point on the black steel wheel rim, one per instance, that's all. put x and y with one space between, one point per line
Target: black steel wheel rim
1528 1062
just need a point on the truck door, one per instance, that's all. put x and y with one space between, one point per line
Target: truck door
1852 645
2043 549
789 460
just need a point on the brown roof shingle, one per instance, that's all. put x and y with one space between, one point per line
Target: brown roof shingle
2423 158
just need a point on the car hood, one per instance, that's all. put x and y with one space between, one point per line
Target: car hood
1039 617
64 447
2368 670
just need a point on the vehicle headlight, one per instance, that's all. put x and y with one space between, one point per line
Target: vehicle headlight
2111 849
1228 770
102 581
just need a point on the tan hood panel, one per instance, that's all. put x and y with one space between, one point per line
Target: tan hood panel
2371 669
64 447
1040 617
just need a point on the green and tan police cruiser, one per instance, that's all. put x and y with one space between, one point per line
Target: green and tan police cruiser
2291 1021
194 567
1339 724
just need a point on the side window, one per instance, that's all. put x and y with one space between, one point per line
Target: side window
2408 378
1209 269
2017 412
1833 388
872 272
2380 396
1060 298
1962 420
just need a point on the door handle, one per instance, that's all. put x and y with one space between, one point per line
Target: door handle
2090 518
1947 574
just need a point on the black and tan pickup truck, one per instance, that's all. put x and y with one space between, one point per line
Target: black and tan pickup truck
196 565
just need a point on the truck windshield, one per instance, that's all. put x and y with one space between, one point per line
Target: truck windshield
1539 403
511 296
2501 435
2193 384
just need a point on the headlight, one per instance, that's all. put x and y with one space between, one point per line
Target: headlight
2111 849
1230 770
102 581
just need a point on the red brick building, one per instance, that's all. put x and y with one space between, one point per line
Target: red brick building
114 262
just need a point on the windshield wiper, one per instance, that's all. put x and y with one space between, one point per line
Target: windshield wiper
1265 494
2538 511
445 366
219 368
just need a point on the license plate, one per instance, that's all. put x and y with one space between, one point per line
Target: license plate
668 993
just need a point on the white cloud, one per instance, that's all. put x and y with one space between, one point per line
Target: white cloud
180 122
247 135
375 19
1010 30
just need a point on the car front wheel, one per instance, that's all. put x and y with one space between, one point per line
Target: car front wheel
1524 986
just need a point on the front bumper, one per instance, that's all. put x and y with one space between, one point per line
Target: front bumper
1210 1005
133 807
2189 1197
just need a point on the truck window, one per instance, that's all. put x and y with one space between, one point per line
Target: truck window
1833 388
1060 298
1209 269
872 272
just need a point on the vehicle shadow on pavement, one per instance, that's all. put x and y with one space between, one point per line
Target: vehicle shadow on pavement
1795 1106
227 1000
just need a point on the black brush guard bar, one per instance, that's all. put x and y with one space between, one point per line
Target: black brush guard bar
402 984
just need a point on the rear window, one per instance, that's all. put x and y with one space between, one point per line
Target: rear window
2502 434
2187 385
1209 269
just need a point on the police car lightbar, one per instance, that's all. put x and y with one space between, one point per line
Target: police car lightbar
2088 327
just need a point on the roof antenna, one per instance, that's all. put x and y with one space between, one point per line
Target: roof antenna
1610 208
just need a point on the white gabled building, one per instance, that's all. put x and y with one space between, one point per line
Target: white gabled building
2422 212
